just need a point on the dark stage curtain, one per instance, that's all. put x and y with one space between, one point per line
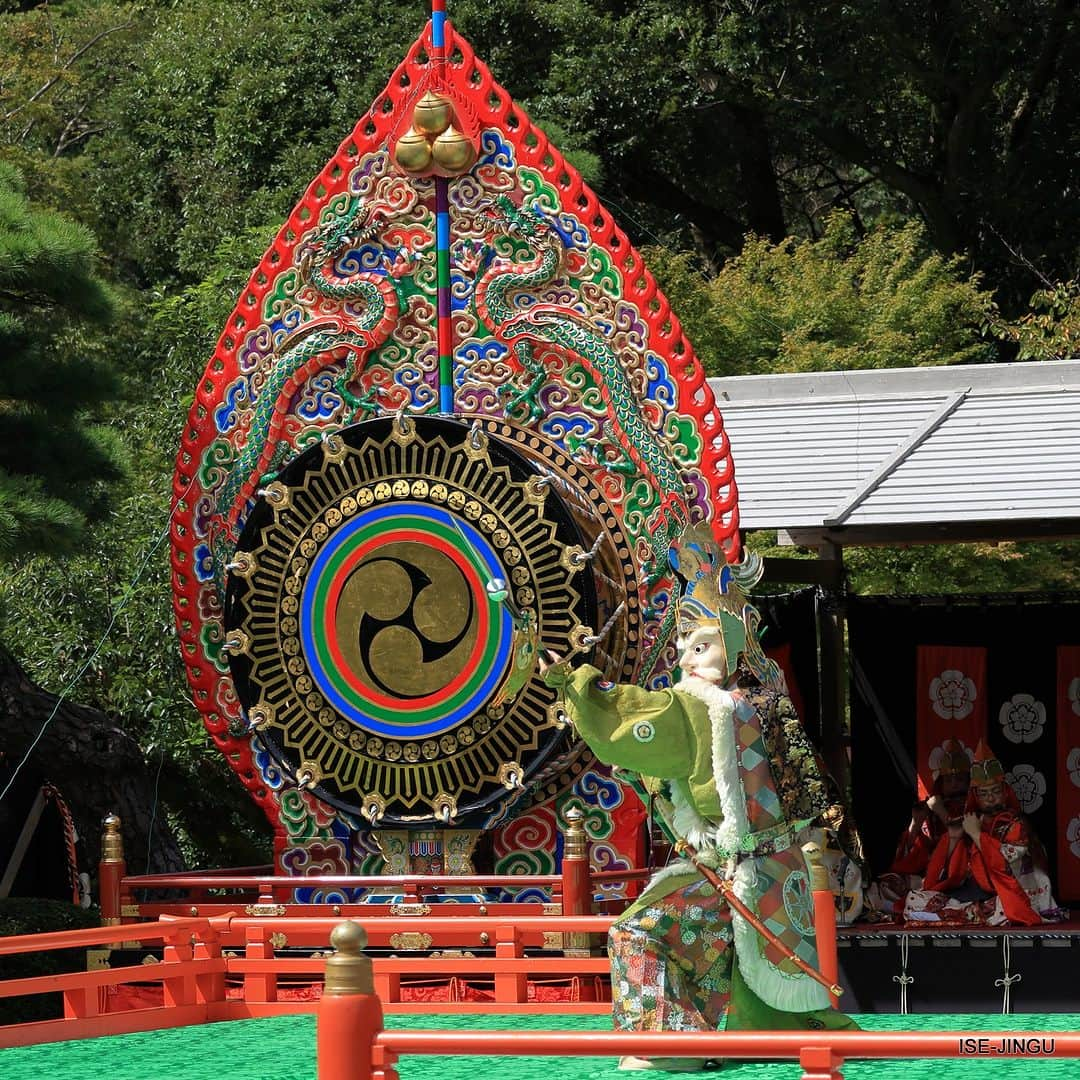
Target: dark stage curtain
790 638
1021 702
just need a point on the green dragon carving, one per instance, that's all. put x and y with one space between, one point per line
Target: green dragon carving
523 328
313 346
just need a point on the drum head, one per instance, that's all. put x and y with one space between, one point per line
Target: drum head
390 590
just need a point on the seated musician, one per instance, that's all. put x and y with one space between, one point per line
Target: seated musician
989 866
926 828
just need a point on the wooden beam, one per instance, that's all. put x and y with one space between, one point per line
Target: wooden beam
780 571
952 532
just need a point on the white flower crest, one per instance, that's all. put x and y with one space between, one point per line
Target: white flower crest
1029 785
1073 836
1074 695
1072 763
953 695
1022 718
938 753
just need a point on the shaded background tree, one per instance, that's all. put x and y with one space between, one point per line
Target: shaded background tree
181 134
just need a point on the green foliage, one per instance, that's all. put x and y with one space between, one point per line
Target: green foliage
840 302
1035 566
54 459
965 568
54 615
34 916
1050 329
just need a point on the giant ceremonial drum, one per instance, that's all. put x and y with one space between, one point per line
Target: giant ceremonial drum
451 421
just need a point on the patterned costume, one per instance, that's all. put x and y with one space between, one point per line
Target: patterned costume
740 780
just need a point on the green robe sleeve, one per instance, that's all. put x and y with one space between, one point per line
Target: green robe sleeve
647 731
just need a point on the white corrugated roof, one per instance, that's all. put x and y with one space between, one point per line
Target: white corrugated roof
905 447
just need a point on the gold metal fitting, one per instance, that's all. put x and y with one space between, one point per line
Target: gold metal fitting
510 775
348 970
261 716
404 430
476 445
374 807
112 843
242 565
236 643
308 775
277 495
334 448
444 807
413 152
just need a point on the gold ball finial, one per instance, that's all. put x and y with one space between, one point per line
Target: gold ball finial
432 114
452 151
348 970
413 152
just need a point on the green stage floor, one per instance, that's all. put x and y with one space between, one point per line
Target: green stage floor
283 1048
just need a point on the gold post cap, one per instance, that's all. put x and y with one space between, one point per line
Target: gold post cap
576 840
348 970
112 843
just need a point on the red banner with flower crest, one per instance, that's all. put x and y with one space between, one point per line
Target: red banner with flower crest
1068 772
950 704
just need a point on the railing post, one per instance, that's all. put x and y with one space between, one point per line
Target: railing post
259 986
510 986
209 989
179 990
576 886
349 1014
824 917
111 870
820 1063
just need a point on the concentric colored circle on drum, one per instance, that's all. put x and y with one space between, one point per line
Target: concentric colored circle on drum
423 532
367 645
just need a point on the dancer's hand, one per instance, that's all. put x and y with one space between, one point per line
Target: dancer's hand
551 660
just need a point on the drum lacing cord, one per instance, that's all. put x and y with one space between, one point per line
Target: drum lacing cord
595 639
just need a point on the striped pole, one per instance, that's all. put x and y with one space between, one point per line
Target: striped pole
444 333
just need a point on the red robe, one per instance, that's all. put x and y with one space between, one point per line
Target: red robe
986 864
913 849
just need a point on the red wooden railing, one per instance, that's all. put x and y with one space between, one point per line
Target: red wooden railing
351 1042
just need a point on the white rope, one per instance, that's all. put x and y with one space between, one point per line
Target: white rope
904 979
1007 980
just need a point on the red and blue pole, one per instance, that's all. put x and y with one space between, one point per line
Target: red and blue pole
444 331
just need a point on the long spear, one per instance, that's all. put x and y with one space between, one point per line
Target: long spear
727 890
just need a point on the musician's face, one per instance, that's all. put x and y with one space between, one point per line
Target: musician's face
953 785
990 796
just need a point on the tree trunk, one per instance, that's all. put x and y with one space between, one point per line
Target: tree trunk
96 765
